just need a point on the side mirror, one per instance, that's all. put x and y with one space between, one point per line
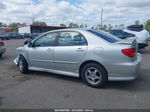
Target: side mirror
30 44
26 42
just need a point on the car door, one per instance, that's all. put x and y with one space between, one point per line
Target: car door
69 51
40 55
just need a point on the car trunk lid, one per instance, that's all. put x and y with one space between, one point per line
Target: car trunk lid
131 41
131 50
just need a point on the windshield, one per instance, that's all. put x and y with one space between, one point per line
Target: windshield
106 36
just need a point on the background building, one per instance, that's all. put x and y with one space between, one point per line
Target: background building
5 29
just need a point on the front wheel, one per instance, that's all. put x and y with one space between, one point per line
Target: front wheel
23 65
94 75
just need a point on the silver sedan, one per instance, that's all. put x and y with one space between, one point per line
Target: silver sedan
95 56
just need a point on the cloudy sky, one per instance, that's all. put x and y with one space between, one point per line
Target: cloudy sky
87 12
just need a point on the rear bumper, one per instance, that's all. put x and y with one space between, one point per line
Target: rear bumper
2 49
126 71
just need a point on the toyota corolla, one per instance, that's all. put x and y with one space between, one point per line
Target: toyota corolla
95 56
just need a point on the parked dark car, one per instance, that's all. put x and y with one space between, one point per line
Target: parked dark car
19 36
120 33
1 37
4 36
12 35
26 35
16 35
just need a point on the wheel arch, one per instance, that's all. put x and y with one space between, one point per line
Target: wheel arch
90 61
21 55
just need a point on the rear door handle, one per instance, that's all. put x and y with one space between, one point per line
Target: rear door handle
80 49
49 49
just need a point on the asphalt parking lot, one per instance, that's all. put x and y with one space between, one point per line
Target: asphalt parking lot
44 90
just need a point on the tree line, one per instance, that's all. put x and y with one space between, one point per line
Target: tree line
101 27
14 26
107 27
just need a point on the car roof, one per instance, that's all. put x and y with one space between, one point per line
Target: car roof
71 29
115 30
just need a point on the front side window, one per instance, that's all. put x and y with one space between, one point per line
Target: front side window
46 40
71 39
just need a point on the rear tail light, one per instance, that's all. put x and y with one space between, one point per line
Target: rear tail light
1 43
129 52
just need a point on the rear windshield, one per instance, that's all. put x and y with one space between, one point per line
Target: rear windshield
106 36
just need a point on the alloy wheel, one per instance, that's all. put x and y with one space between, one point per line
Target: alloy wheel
93 75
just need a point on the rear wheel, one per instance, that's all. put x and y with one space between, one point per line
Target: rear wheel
23 65
94 75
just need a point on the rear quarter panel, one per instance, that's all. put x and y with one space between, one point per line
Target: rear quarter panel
107 54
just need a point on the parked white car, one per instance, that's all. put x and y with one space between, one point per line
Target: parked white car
141 37
149 36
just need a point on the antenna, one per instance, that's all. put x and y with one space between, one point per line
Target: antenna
101 19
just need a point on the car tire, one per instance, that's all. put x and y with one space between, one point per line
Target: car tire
94 75
23 65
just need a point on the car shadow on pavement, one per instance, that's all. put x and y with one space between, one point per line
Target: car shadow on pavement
6 57
141 84
52 75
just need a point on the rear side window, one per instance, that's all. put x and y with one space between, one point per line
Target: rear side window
71 39
106 36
